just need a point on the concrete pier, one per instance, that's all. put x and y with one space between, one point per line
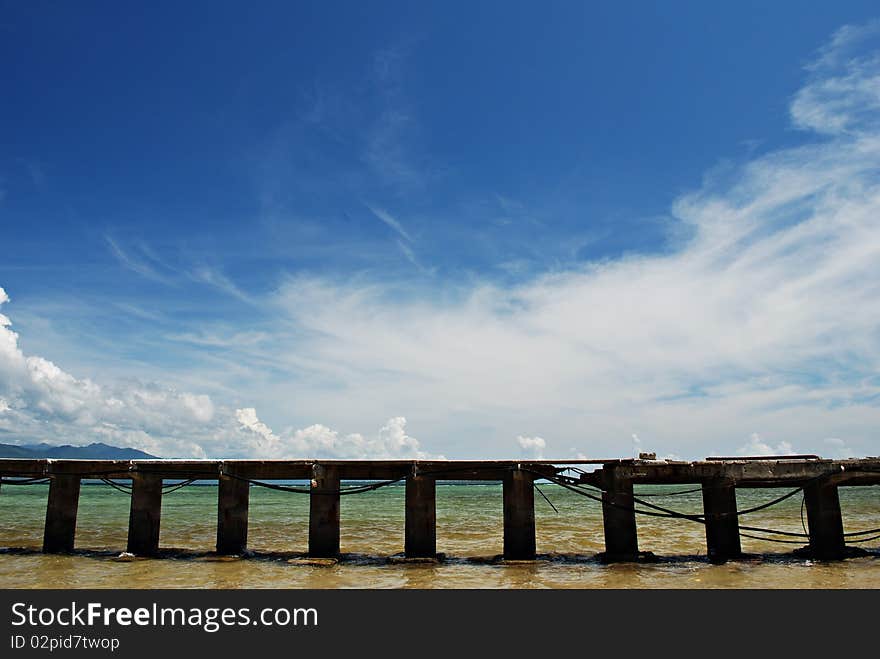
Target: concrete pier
421 517
145 514
722 524
233 496
719 479
519 515
824 520
619 519
61 509
324 513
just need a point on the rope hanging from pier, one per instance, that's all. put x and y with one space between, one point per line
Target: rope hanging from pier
355 489
24 481
166 489
646 494
669 494
700 519
873 537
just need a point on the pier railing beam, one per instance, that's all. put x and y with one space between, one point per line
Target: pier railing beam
421 517
60 529
233 496
145 514
825 521
722 524
324 513
619 519
519 516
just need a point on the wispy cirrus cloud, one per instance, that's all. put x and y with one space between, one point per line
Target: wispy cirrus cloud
842 95
765 320
405 241
142 261
389 220
389 144
216 278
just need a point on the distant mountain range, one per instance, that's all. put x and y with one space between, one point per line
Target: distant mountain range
96 451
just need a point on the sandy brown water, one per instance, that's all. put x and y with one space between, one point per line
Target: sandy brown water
469 532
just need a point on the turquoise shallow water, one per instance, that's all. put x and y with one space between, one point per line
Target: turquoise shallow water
469 532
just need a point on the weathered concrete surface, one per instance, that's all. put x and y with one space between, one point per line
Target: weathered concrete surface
233 495
722 524
145 515
743 473
324 513
421 518
60 528
519 516
824 521
619 518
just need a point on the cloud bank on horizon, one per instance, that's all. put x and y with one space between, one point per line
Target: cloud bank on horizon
41 402
759 333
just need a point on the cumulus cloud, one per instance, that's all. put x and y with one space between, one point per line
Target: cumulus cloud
532 446
41 402
317 440
757 446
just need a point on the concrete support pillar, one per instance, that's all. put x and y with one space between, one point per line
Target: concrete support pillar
324 513
519 516
145 515
60 529
825 522
421 517
619 519
233 495
722 524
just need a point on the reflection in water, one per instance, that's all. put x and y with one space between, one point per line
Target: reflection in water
469 532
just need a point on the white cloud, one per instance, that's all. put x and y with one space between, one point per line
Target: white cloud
390 220
843 94
757 446
145 264
637 444
765 318
533 446
217 279
320 441
42 402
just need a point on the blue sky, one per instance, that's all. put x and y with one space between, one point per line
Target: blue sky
271 233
